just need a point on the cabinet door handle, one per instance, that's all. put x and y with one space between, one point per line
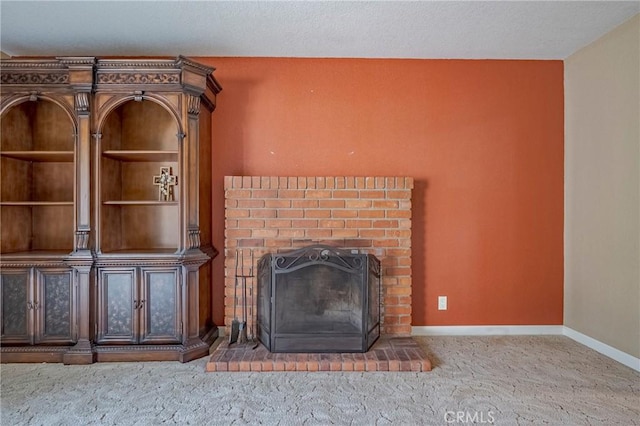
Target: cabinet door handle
36 305
141 304
29 305
135 304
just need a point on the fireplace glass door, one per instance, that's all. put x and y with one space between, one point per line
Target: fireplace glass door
318 299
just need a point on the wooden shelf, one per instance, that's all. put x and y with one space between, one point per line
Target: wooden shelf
142 155
36 203
40 156
139 203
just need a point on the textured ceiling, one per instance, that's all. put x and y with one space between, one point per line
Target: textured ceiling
361 29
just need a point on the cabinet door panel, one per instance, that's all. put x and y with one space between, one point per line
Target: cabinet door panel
15 306
54 307
160 312
117 316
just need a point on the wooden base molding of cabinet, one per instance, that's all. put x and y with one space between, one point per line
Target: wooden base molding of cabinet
128 353
194 349
199 347
80 354
20 354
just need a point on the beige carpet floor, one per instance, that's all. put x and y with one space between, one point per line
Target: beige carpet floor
501 380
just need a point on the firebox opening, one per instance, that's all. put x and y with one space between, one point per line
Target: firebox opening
318 299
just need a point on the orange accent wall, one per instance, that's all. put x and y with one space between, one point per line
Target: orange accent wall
483 140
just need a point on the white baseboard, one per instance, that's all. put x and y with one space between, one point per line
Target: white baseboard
613 353
528 330
486 330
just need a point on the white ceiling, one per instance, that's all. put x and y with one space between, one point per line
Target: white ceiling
360 29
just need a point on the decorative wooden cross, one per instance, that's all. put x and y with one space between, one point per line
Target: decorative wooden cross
166 181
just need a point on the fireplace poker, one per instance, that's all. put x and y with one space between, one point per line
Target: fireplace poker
254 309
242 338
235 324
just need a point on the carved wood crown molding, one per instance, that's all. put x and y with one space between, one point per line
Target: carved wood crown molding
34 71
138 64
138 78
182 60
26 65
213 85
34 78
42 71
177 63
77 60
109 73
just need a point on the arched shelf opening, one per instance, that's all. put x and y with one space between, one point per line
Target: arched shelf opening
139 139
37 150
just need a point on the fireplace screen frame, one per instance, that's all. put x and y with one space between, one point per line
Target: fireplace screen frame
273 271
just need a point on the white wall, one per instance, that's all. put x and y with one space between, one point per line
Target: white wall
602 189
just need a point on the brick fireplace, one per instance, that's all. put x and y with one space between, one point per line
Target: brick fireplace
267 214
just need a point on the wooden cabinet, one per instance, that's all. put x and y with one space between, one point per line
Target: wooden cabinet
106 179
52 306
159 305
44 210
17 301
139 305
36 308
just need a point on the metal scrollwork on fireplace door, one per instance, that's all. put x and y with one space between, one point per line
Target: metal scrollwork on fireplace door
317 254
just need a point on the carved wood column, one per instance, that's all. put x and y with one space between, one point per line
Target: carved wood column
192 164
81 260
81 81
194 343
82 352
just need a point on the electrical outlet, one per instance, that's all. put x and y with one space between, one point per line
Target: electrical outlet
442 303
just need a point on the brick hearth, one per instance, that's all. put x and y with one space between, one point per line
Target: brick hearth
387 354
372 214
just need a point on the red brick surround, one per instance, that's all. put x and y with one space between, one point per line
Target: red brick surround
372 214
